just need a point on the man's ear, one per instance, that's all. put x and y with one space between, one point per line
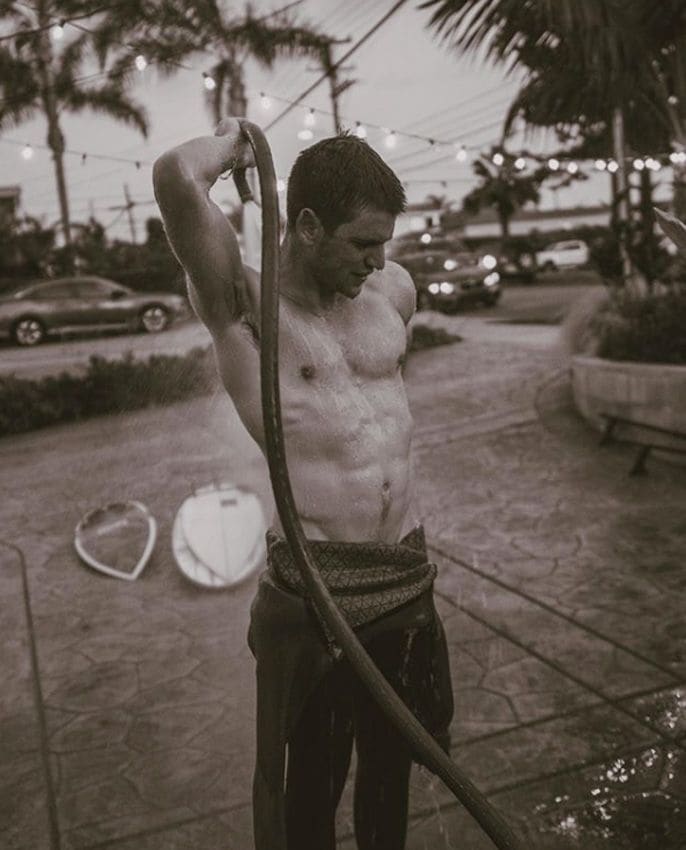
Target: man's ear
672 227
308 227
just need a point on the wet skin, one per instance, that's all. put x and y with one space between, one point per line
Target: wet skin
346 420
343 339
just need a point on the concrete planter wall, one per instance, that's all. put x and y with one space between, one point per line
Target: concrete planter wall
645 392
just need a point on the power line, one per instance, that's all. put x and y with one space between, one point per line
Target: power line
339 62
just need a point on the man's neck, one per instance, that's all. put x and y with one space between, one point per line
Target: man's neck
298 285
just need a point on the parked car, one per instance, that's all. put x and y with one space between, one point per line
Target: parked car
447 280
31 312
563 255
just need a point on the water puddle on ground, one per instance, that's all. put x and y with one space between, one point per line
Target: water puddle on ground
636 802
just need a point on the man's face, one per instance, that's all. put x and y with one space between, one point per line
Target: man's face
355 249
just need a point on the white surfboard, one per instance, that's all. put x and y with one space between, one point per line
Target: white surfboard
218 537
117 539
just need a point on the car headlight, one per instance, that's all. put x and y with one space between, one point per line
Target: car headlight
491 279
434 288
450 265
447 288
488 261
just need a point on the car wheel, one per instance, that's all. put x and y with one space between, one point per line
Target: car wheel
154 319
549 266
28 331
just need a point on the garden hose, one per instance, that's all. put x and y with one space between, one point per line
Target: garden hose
422 744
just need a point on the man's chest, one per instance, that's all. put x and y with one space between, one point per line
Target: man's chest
367 341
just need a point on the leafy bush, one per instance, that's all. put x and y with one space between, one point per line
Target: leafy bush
645 329
426 337
109 386
114 386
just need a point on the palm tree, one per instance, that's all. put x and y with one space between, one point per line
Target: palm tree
168 33
37 76
595 67
502 187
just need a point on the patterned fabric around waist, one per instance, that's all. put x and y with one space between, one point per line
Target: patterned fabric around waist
367 580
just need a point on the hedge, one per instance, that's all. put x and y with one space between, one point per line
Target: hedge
114 386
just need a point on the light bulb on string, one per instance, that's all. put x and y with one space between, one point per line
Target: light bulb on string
553 164
520 163
613 166
572 167
141 62
653 164
27 152
391 139
600 165
497 159
57 31
672 100
461 154
360 130
209 82
305 134
639 165
265 101
310 118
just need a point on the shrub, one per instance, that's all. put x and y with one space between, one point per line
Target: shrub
646 329
109 386
426 337
114 386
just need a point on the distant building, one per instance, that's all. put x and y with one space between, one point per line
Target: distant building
485 224
9 204
417 217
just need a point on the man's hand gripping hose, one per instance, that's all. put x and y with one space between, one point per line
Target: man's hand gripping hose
422 744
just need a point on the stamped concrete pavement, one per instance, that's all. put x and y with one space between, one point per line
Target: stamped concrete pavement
128 709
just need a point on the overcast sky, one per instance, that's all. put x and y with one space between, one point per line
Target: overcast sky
406 81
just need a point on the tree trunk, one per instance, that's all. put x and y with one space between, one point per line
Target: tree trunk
55 138
623 208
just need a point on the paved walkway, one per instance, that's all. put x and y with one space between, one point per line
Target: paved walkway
127 709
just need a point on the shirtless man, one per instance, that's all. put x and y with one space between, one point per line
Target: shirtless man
344 317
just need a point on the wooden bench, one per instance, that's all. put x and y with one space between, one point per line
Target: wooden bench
644 446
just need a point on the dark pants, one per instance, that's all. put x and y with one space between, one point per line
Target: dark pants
319 751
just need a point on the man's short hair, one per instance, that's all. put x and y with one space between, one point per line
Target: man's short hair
338 177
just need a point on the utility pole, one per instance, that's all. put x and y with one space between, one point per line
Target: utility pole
336 86
129 212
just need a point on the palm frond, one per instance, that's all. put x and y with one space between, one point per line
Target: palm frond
108 99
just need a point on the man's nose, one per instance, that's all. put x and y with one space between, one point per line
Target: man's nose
376 258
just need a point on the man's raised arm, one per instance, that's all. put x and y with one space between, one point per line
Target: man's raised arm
199 233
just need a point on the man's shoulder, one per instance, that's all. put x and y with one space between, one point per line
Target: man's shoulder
396 284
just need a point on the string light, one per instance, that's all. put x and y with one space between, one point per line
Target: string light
672 100
141 62
360 130
461 154
498 159
265 101
27 152
310 118
57 31
391 140
520 163
553 164
639 165
653 164
612 166
572 167
209 82
600 165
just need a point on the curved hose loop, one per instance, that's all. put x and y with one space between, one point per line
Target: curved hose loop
419 740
